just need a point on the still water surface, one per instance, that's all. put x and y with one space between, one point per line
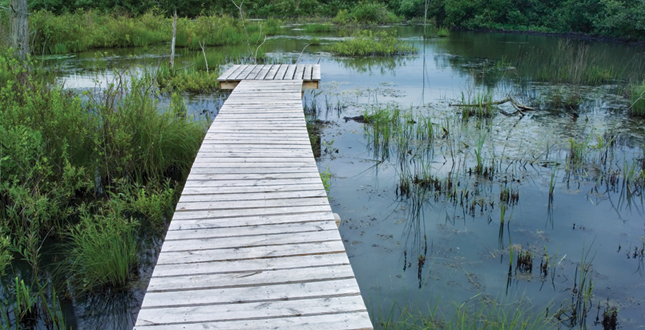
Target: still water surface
427 251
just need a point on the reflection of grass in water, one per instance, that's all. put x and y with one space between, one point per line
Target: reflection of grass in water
571 63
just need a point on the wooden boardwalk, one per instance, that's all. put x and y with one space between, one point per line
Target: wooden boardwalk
253 243
308 73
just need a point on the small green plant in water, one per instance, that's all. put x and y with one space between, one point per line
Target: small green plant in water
637 106
325 176
369 43
443 32
103 250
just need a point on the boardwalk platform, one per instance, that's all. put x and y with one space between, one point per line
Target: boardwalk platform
308 73
253 243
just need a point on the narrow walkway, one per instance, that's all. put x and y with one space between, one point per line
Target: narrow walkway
253 243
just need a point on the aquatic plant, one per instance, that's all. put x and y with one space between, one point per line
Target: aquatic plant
186 80
325 176
479 313
318 27
368 43
103 249
443 32
480 105
637 105
29 302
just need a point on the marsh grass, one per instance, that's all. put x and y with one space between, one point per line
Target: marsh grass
482 105
318 27
443 32
369 43
103 251
475 314
80 31
637 105
24 304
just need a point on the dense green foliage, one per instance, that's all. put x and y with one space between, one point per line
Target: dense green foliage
79 31
63 26
616 18
86 170
366 43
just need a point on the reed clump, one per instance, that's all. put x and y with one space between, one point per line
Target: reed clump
318 27
369 43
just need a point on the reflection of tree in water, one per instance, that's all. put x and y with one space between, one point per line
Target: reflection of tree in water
371 65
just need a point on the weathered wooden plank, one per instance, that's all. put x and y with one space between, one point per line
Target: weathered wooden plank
315 75
179 216
247 294
251 221
250 170
291 70
228 73
204 233
308 71
249 189
263 72
244 253
300 69
272 73
243 73
250 278
350 320
264 203
289 308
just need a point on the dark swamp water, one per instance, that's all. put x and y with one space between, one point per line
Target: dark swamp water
423 225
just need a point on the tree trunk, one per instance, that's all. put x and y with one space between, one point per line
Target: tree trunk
172 43
19 28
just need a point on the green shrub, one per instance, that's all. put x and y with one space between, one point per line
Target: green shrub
343 17
366 43
372 13
443 32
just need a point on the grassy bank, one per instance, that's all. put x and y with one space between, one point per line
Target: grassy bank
85 174
81 31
